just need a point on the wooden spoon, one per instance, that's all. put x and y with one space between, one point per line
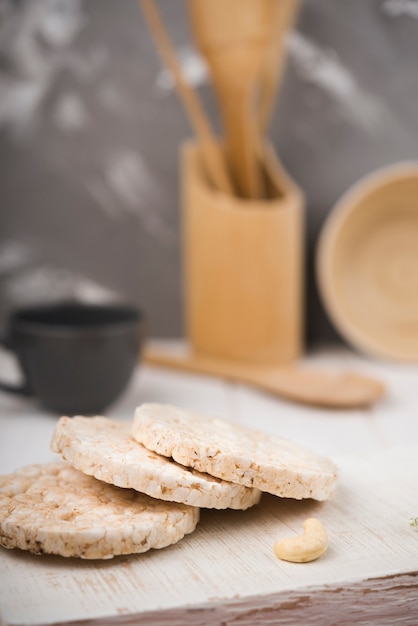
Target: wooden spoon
313 387
234 36
213 158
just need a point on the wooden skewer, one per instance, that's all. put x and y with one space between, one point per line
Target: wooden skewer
213 158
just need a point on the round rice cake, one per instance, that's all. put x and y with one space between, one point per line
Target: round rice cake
105 449
233 452
55 509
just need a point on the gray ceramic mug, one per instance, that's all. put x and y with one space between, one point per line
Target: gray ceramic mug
75 358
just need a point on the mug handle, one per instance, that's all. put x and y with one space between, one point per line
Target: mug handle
21 389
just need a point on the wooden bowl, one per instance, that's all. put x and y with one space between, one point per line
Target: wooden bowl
367 264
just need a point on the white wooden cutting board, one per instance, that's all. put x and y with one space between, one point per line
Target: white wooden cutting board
226 571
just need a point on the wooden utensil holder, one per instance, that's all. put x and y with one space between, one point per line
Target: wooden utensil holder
242 265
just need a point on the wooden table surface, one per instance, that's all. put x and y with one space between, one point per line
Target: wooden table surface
226 571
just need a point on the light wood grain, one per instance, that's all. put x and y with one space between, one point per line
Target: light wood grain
228 565
367 263
226 572
243 267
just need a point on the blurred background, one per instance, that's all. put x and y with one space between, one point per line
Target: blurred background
90 128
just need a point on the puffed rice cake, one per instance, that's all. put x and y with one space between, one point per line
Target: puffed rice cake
55 509
234 453
105 449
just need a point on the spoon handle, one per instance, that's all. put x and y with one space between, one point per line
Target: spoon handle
235 70
309 386
242 142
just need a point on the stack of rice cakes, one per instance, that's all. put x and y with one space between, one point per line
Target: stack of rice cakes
124 488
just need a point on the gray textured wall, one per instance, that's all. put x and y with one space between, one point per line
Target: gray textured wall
90 127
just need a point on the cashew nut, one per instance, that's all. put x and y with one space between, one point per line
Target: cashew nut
306 547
